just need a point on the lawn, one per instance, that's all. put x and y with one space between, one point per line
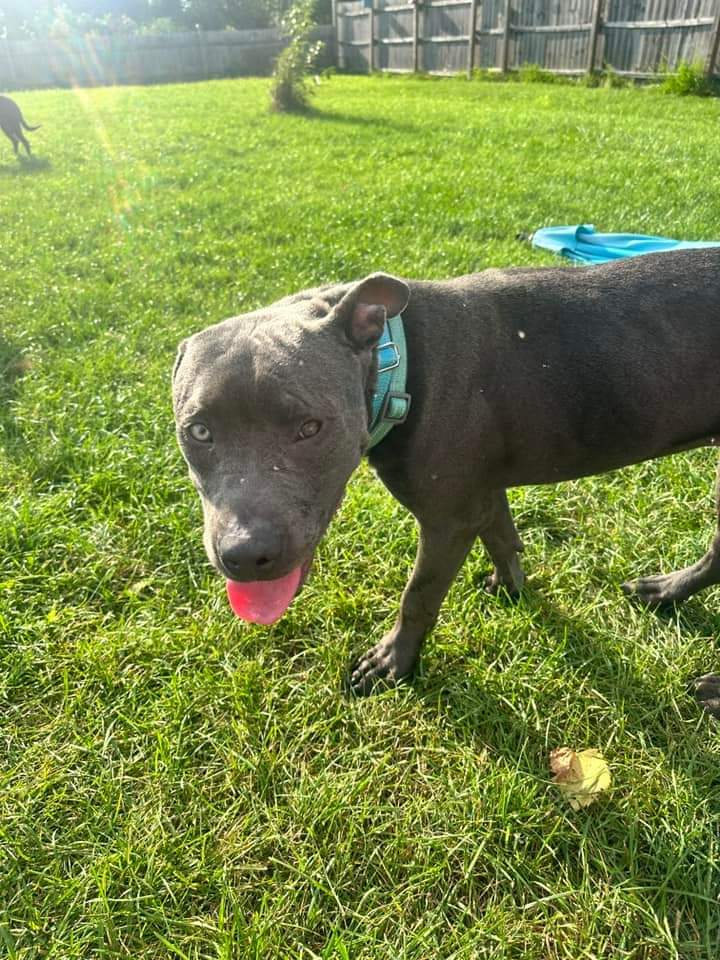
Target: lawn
176 784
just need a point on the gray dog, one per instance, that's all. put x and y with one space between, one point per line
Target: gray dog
515 377
12 123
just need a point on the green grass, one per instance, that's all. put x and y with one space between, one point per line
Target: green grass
175 784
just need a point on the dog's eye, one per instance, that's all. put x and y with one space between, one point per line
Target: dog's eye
309 429
201 433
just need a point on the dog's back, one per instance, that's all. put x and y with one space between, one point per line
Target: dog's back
10 116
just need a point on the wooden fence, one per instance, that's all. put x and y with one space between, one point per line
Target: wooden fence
634 37
149 58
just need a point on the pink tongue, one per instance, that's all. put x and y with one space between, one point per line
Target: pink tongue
263 601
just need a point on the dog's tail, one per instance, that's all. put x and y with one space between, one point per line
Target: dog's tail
27 125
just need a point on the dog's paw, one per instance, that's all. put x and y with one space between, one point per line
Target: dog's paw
657 591
381 667
496 587
706 691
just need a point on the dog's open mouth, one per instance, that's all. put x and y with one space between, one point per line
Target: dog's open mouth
265 601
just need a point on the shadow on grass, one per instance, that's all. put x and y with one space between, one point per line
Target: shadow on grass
482 715
25 166
349 119
484 711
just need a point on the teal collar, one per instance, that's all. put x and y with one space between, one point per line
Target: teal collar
390 402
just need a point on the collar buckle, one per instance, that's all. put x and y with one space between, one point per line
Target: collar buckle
391 364
395 408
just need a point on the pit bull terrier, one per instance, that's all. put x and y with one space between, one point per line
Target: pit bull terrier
520 376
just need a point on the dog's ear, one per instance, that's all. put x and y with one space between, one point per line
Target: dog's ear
362 312
178 359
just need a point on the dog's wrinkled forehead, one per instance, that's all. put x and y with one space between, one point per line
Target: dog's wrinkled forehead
260 362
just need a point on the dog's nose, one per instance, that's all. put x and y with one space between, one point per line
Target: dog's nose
252 555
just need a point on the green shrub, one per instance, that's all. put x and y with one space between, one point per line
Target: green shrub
612 79
592 80
688 79
532 73
289 89
489 76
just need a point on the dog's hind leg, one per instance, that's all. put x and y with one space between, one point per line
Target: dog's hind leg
23 141
11 137
675 587
501 540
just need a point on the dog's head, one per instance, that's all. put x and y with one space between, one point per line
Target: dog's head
272 411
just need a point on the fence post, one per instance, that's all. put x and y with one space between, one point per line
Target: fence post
505 48
416 35
714 44
339 51
371 55
471 41
594 31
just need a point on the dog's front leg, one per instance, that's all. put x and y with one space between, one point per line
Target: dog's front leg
441 551
444 543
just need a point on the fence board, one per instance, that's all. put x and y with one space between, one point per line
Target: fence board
152 58
634 37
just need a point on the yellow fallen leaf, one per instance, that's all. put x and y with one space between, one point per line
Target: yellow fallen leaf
140 586
579 776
